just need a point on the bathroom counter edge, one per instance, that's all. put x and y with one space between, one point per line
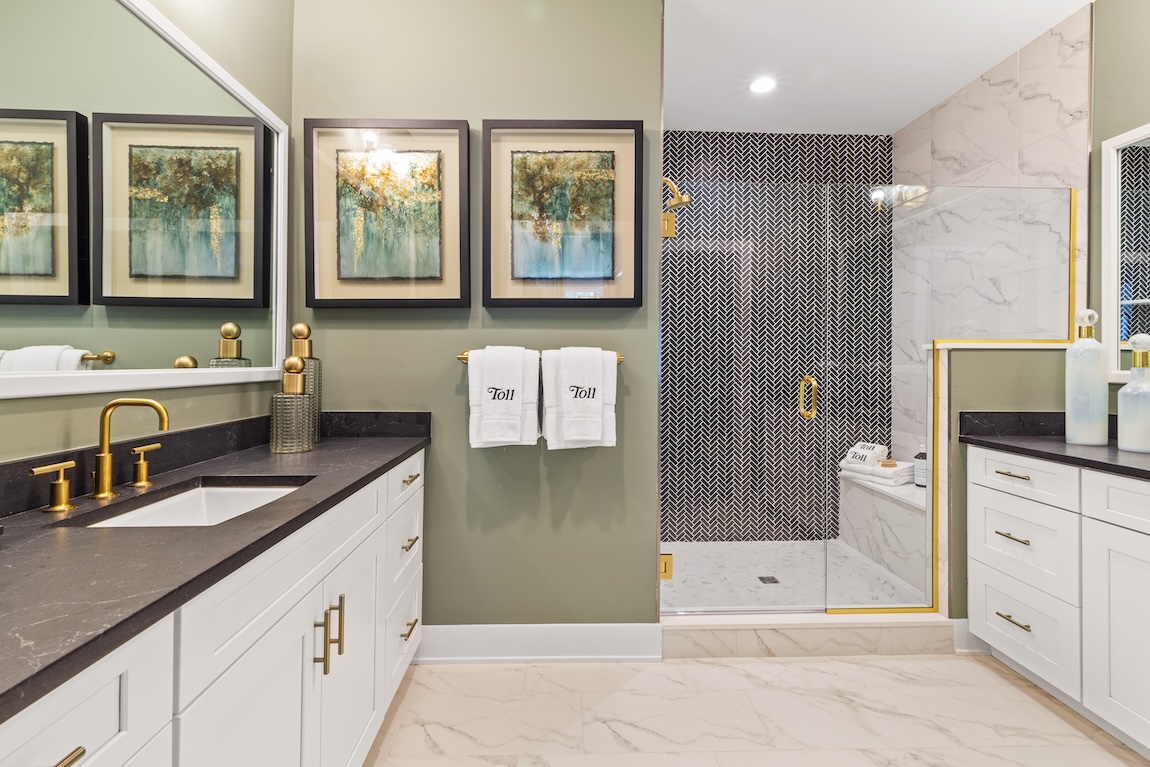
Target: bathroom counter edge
1107 458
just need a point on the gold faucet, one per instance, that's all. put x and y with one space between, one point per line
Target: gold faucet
103 483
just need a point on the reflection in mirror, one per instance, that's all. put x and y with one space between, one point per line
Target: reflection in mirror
105 59
1133 239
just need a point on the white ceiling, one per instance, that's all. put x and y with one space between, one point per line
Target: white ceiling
843 66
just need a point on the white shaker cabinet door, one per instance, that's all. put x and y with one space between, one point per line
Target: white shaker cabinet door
265 709
352 709
1115 626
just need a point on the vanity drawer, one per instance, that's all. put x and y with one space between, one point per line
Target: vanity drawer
1039 632
111 709
219 626
1121 501
404 545
1030 541
1043 481
396 652
403 481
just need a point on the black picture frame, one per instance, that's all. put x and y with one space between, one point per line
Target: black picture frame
251 142
325 288
74 286
620 289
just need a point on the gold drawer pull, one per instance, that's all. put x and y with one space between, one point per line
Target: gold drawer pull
411 478
1010 619
1023 541
1012 475
410 543
73 757
338 641
410 629
325 659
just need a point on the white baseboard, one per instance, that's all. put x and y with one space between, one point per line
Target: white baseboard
966 643
550 642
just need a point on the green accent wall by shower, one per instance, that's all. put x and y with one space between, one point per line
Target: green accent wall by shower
517 534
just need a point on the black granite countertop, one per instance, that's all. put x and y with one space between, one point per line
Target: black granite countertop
69 595
1109 458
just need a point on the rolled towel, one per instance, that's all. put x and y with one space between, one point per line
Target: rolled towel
73 359
867 453
33 359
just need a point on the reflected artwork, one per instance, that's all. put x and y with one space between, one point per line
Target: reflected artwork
562 215
389 215
183 204
27 245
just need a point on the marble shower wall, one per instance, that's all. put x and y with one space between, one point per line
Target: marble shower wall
985 254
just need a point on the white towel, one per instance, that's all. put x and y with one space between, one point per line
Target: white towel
581 393
555 399
885 481
867 453
902 470
34 359
526 400
72 359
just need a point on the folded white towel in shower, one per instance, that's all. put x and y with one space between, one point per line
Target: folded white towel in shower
884 481
866 453
503 394
558 395
902 470
39 359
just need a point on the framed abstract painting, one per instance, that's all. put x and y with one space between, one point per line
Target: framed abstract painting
387 220
180 205
562 213
43 207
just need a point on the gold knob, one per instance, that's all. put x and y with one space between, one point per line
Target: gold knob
140 467
229 330
301 330
186 361
60 487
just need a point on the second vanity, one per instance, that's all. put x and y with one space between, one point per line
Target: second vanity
1059 569
277 637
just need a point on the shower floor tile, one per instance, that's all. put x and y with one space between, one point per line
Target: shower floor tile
727 575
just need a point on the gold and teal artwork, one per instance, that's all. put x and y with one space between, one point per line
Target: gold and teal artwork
27 245
389 215
183 203
562 215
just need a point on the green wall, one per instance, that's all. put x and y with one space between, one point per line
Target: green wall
112 62
514 535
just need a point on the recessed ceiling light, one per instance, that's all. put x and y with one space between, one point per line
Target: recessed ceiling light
763 85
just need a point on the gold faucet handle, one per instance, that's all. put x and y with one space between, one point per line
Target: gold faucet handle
140 467
60 487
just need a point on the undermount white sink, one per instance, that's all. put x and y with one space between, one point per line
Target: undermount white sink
198 507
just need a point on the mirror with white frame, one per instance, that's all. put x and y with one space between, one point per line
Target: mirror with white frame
126 57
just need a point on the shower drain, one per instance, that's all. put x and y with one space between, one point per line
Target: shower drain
768 579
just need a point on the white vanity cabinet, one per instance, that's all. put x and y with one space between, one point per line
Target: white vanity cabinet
111 712
1023 540
1115 584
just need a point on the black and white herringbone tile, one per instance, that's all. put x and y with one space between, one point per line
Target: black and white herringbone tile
770 279
1134 239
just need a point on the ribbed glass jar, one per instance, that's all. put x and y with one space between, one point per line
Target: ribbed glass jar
313 385
225 362
291 424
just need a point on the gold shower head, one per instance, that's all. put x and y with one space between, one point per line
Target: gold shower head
678 200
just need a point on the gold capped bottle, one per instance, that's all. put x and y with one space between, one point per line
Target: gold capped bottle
301 347
291 412
230 349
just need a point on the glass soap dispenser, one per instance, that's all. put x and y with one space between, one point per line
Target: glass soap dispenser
230 349
301 347
1087 386
291 412
1134 399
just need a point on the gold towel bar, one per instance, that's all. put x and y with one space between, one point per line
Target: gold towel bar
107 356
462 357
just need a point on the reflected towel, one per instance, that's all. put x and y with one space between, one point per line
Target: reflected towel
40 359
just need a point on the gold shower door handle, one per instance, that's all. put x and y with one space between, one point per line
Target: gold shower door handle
813 383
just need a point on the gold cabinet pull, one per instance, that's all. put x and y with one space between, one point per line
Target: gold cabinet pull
73 757
1012 475
1010 619
410 478
341 608
325 659
1023 541
813 383
60 487
410 543
410 629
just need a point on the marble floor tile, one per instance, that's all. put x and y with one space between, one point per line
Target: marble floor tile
700 759
487 679
451 724
1013 756
699 643
503 760
605 677
629 721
